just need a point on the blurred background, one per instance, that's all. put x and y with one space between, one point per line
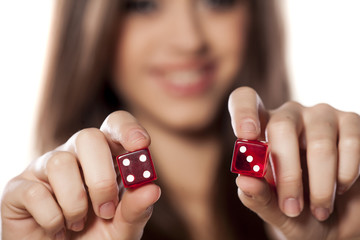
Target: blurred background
323 53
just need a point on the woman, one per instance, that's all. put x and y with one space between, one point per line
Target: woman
170 67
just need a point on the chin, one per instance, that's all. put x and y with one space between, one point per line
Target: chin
186 120
188 125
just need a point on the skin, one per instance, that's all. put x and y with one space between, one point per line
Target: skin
49 199
181 37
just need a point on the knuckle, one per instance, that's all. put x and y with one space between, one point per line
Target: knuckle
347 178
53 224
292 104
283 123
82 198
75 213
322 107
321 197
350 143
323 146
36 192
321 113
89 133
291 178
103 185
78 206
290 107
12 186
350 116
60 159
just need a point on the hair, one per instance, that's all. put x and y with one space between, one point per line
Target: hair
77 93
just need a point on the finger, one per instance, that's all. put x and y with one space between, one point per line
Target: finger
244 107
256 194
349 150
26 199
122 130
65 179
135 210
95 158
283 132
321 137
95 149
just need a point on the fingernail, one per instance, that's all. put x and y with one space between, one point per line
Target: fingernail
60 235
321 213
292 207
248 126
107 210
136 136
77 226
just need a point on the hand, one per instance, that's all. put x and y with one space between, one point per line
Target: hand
51 198
315 157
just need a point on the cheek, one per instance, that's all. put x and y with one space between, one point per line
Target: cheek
225 38
228 38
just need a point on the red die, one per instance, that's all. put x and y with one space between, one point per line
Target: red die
250 158
136 168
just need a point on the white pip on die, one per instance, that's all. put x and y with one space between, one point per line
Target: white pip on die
250 158
136 168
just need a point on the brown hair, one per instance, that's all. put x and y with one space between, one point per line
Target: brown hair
83 35
77 93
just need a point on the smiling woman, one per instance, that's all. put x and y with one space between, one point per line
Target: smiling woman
124 74
176 83
189 63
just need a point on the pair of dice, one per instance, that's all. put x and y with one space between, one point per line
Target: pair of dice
249 158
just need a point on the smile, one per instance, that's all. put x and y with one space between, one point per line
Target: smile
186 82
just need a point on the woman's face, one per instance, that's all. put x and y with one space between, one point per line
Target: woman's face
176 60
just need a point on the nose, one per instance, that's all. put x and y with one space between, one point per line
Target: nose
185 32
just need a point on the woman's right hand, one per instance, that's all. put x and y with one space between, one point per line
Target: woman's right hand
73 192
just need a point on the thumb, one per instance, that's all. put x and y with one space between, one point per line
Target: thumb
247 113
257 195
135 209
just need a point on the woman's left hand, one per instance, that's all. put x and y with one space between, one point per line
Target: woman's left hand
317 194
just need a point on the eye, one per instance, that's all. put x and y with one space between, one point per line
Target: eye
220 4
140 6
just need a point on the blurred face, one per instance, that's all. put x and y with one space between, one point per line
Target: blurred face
176 60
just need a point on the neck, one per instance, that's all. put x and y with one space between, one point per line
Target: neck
187 166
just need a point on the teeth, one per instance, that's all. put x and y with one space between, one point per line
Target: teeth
185 78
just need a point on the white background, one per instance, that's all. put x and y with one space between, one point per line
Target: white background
324 51
323 59
24 27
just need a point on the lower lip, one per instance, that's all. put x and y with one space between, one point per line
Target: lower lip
201 86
